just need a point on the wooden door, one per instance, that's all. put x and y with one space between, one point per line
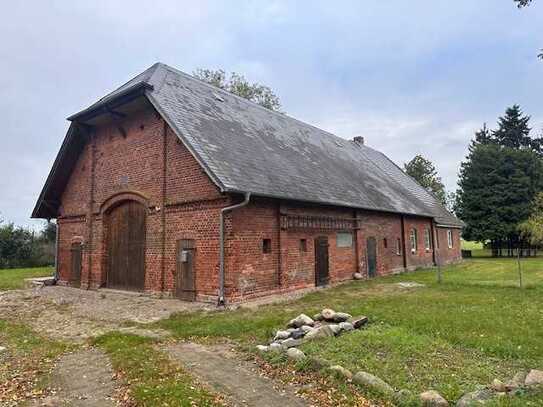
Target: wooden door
185 281
371 254
321 261
76 256
126 247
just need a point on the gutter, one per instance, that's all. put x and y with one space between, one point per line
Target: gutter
221 299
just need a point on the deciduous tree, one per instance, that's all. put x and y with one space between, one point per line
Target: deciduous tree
238 85
425 173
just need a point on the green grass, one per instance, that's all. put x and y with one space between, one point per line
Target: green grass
474 327
12 279
26 361
153 380
471 245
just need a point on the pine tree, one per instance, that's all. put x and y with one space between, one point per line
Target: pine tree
513 130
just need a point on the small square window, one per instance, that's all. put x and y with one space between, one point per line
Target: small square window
344 239
385 243
266 246
303 245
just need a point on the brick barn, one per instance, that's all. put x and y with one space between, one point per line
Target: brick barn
171 185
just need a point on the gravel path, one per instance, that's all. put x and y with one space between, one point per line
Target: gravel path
73 314
240 380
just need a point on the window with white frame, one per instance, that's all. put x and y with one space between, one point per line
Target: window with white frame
398 246
427 240
449 238
413 239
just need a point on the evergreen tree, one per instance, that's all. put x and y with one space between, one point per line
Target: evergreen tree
513 130
425 173
496 186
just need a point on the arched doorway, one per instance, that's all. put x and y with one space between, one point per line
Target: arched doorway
126 246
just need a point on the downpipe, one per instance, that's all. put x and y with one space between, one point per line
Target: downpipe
221 299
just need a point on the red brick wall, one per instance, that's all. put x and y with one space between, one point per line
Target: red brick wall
421 257
446 255
133 166
151 165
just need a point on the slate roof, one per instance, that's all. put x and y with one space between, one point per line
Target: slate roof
247 148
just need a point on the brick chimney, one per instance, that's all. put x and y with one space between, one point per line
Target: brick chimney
358 140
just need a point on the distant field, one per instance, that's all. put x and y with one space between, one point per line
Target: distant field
12 279
471 245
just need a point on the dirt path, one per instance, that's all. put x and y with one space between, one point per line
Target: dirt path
81 379
72 314
222 369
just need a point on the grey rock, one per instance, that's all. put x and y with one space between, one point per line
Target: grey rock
346 326
336 329
358 276
374 383
297 334
300 320
359 322
517 381
341 371
295 354
275 347
262 348
291 343
432 398
534 378
341 317
318 363
476 398
498 386
318 317
323 331
282 335
328 314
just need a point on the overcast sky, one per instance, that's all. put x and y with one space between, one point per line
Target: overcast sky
417 76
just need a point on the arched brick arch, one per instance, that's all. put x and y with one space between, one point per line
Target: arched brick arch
119 197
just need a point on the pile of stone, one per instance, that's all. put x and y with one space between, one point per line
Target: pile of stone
326 323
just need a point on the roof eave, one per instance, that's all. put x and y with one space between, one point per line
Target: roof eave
105 104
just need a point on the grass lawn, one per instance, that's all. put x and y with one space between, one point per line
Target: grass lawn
25 362
12 279
474 327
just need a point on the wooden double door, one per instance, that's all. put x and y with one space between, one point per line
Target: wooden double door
126 246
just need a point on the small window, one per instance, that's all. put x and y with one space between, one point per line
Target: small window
303 245
449 238
385 243
427 240
413 239
266 246
344 239
398 246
